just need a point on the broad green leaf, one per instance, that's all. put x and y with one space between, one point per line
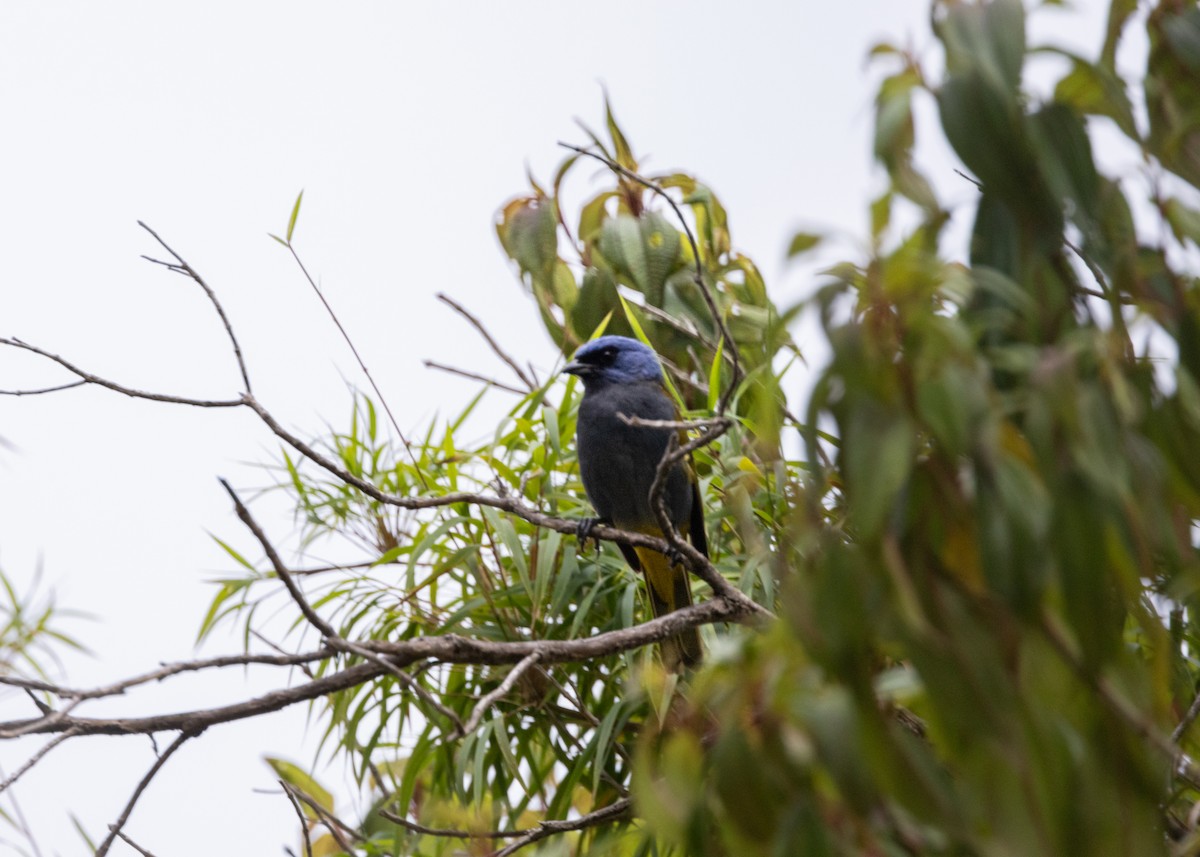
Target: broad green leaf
303 782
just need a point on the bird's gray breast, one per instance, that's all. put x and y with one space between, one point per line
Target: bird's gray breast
617 462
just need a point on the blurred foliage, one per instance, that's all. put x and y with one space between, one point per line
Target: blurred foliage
31 637
31 630
985 570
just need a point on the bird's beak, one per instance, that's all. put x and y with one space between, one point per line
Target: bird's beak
578 369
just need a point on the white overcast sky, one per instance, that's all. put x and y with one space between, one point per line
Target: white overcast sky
407 125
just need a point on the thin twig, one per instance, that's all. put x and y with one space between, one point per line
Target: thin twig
510 504
697 562
138 848
333 824
331 637
166 671
43 390
45 723
314 619
89 378
478 325
361 363
408 681
37 757
513 505
698 277
447 833
972 180
682 325
187 269
303 665
444 648
433 364
490 699
291 796
1188 719
684 425
115 828
1105 290
613 811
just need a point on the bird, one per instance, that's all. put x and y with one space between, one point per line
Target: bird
617 464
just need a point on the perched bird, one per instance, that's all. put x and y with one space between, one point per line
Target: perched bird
618 461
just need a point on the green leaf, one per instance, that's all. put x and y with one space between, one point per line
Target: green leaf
643 249
878 449
645 340
1095 90
528 231
624 151
714 376
986 39
292 220
391 555
1184 221
1118 13
296 777
802 242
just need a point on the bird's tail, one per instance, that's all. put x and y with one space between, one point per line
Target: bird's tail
670 590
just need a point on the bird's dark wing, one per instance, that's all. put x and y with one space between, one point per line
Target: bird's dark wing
696 519
617 461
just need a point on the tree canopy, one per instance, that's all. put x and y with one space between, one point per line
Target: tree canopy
951 601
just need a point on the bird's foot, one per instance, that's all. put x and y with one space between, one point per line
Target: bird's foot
675 556
583 532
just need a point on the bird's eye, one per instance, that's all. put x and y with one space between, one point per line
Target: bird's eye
608 353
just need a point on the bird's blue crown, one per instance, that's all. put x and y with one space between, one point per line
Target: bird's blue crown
615 359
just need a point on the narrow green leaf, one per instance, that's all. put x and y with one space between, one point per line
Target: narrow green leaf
292 220
714 376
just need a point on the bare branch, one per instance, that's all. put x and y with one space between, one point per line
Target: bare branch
723 423
139 849
89 378
616 809
42 390
309 613
334 824
478 325
300 815
508 503
45 723
408 681
115 828
433 364
185 268
446 648
447 833
505 686
37 757
697 562
167 671
331 637
544 829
